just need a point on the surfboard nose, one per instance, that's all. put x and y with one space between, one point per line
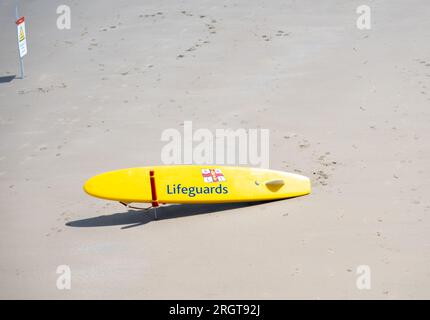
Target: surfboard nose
94 186
110 185
124 185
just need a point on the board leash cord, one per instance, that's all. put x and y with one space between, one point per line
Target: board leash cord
136 208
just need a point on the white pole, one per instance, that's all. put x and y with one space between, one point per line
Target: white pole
21 62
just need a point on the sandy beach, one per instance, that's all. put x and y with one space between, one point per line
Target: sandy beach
348 108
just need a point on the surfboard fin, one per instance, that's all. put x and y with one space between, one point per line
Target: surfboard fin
275 185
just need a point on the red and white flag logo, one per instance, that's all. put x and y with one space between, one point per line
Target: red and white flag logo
212 175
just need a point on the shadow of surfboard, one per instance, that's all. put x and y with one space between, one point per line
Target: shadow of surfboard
6 79
134 218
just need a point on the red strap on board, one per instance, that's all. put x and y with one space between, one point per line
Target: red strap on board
20 20
153 190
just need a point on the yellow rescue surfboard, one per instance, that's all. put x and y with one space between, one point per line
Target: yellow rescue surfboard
196 184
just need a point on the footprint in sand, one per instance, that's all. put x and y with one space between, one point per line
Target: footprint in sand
185 13
321 175
211 29
304 144
281 33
